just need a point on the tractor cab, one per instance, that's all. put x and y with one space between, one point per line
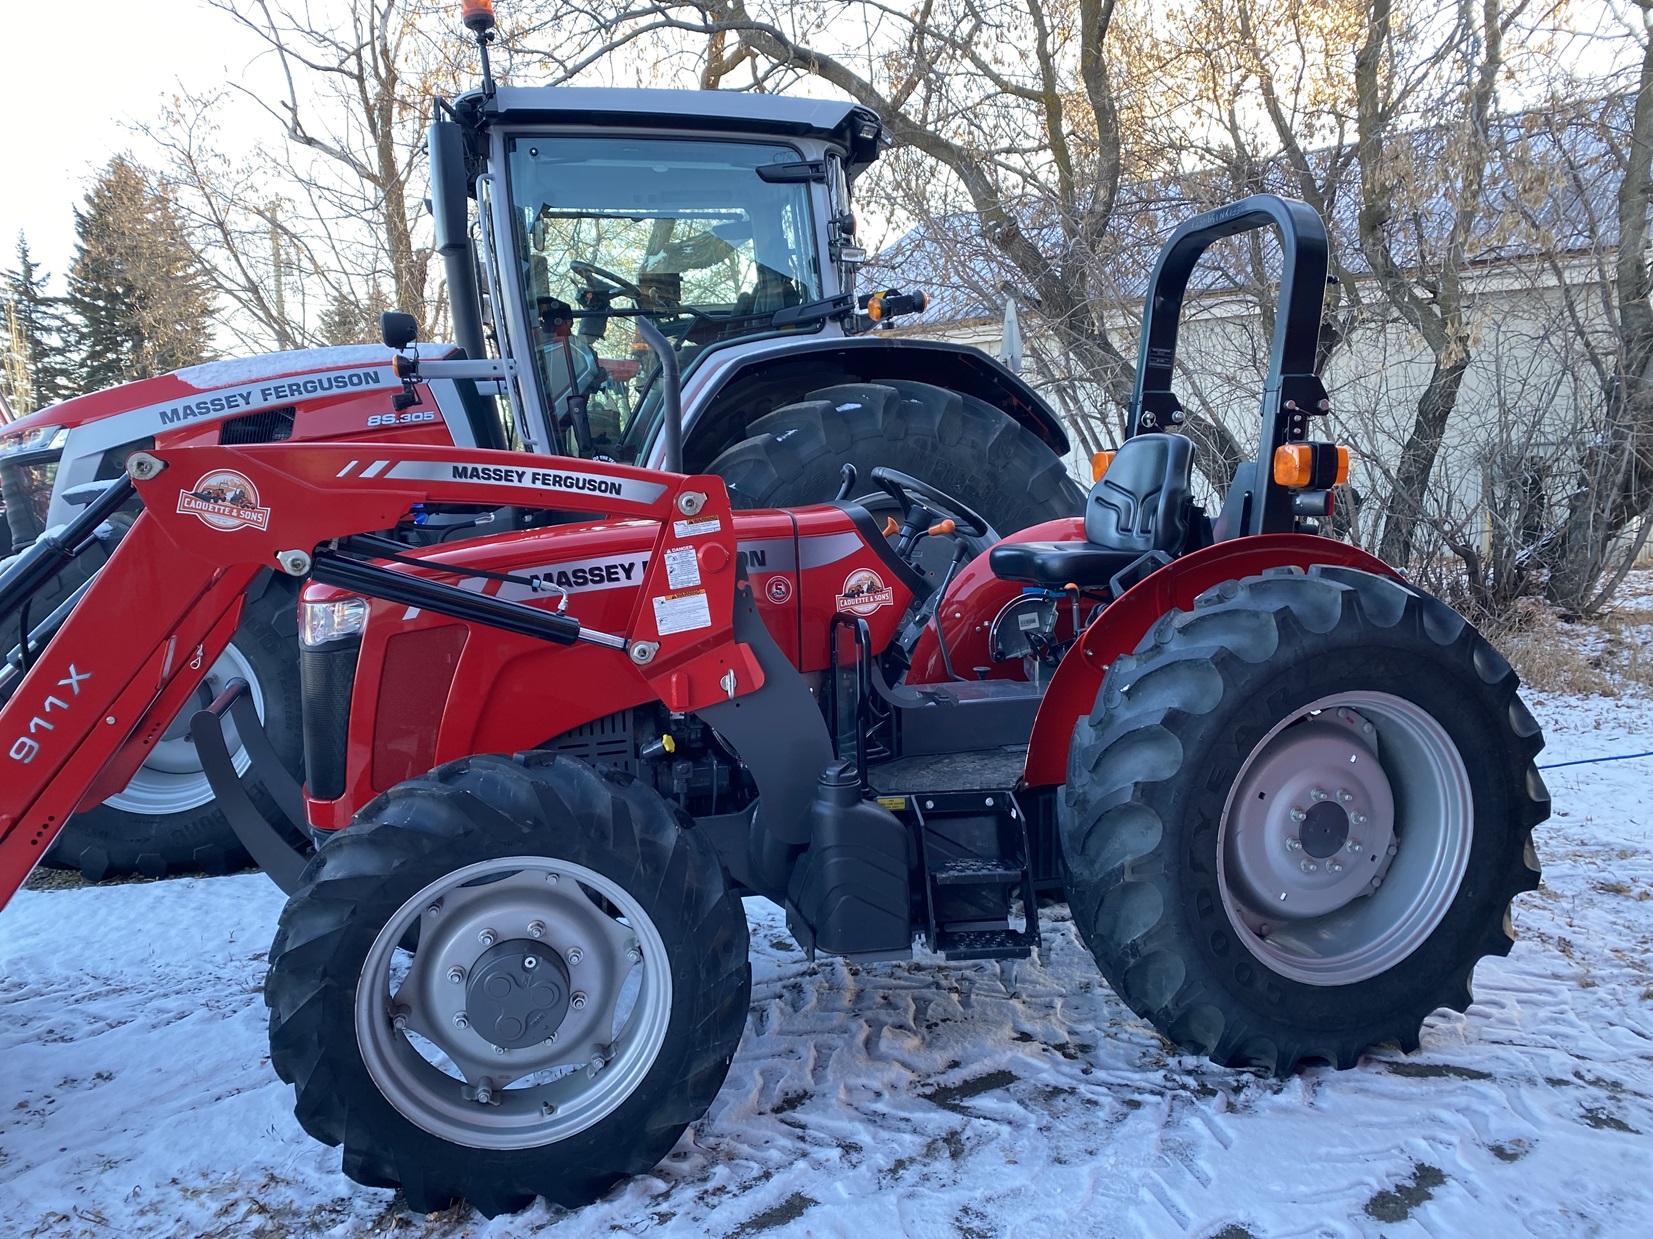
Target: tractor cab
725 223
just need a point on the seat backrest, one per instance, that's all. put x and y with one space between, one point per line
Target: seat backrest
1141 503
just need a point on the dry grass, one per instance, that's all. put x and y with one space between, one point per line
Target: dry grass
1606 656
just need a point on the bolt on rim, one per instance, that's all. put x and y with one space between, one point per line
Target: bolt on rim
448 1032
1345 838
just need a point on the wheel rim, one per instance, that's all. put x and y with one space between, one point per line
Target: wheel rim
447 1072
171 779
1345 838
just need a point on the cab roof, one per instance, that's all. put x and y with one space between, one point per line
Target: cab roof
855 128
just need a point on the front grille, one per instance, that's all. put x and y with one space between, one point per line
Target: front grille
325 677
413 689
265 426
26 490
607 741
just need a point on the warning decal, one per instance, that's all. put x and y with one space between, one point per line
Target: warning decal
682 612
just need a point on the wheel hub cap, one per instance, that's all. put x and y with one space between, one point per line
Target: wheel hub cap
517 995
1312 820
1325 830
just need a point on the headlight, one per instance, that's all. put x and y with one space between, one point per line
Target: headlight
321 622
35 439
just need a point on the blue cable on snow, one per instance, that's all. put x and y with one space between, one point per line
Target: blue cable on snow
1590 761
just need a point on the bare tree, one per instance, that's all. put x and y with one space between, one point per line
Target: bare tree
1612 474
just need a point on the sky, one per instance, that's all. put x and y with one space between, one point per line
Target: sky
78 78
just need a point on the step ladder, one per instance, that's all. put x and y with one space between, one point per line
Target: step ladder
974 851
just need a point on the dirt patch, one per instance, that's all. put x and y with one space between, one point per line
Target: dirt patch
949 1096
1606 1120
1396 1204
789 1210
1233 1231
1513 1151
1436 1071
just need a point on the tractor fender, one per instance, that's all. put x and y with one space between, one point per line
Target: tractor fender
725 390
1122 625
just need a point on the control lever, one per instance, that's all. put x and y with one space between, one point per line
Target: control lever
847 487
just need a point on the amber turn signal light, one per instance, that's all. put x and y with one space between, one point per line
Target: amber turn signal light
1318 465
1099 464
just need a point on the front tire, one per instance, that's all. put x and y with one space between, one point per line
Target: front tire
489 1086
1297 816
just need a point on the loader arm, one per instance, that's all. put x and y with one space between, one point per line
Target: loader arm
165 606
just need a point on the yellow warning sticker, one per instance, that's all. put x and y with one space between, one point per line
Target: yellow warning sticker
892 802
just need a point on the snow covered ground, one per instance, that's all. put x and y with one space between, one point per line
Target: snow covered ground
901 1099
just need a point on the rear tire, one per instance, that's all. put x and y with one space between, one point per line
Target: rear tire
956 442
1256 936
480 839
120 837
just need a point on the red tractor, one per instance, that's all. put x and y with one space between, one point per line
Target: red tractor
1289 797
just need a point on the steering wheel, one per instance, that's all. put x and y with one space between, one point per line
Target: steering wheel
911 494
590 272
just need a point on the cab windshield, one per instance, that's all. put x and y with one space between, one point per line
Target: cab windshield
685 231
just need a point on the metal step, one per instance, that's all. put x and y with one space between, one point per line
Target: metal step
972 870
962 944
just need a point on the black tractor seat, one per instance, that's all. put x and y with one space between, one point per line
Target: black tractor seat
1140 506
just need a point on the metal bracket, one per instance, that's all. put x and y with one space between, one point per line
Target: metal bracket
274 855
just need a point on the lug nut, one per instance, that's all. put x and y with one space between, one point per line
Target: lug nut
1333 867
633 955
1352 846
575 955
1318 793
1310 867
487 937
1345 795
577 1001
1357 818
500 1050
530 962
1297 815
484 1095
456 974
1294 844
461 1020
435 909
536 929
596 1064
399 1021
552 877
551 1040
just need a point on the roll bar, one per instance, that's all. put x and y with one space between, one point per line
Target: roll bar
1292 391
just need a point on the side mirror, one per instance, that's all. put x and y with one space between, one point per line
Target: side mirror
398 330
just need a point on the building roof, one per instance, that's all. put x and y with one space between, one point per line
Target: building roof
1560 198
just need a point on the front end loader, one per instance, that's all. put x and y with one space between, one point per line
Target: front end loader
1288 796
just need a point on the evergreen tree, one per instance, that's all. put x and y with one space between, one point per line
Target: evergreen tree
35 371
350 321
141 301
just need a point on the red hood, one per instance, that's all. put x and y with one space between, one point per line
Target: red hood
192 381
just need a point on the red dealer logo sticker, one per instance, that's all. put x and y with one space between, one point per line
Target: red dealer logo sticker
779 589
864 592
225 499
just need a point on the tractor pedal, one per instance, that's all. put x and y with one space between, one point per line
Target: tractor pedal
972 871
965 944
